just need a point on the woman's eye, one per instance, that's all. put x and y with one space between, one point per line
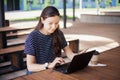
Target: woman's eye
56 23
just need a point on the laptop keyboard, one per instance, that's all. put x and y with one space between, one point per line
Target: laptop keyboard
62 68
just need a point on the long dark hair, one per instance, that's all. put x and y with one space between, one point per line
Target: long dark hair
51 11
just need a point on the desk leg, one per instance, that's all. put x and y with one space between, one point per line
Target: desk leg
3 44
17 60
74 45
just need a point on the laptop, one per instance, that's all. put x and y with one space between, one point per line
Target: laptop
78 62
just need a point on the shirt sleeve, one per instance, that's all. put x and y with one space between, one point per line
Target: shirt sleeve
29 45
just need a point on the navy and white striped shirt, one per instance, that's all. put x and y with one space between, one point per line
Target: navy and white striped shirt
40 46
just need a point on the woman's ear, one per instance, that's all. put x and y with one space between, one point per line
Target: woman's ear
42 20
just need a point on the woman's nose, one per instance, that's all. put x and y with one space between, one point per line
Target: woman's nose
54 26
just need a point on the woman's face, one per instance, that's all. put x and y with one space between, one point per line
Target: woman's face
50 24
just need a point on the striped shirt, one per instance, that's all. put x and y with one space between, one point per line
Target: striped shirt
40 46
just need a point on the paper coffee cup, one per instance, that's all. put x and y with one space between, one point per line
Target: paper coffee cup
94 59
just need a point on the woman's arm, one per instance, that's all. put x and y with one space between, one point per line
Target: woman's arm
32 66
69 52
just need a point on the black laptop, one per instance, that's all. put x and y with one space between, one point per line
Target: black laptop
78 62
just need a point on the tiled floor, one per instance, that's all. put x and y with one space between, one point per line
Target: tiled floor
95 35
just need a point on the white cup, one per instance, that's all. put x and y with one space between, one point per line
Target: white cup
94 59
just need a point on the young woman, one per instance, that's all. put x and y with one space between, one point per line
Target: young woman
43 45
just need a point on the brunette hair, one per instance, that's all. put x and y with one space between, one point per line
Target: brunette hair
51 11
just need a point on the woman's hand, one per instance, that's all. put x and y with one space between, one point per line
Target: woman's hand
83 51
59 60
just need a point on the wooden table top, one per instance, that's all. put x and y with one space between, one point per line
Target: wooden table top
11 50
8 28
109 72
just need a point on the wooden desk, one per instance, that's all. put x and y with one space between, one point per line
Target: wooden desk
109 72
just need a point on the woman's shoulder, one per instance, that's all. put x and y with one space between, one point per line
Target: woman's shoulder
61 33
33 33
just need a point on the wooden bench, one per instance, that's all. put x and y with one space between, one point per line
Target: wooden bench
74 45
12 35
13 51
8 29
16 53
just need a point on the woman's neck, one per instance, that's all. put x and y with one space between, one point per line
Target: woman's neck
44 32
